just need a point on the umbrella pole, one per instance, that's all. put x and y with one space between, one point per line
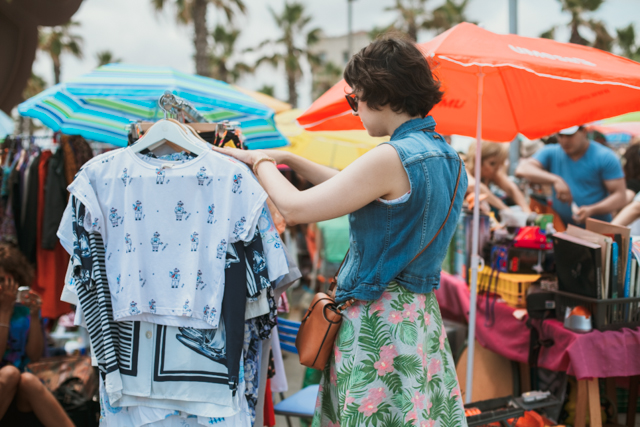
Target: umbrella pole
475 259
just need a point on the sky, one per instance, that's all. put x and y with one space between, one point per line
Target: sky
137 34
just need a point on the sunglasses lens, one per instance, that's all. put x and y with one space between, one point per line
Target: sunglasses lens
352 102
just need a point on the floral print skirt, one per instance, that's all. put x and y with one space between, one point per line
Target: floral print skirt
391 367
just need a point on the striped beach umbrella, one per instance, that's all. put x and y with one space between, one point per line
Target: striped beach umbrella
101 105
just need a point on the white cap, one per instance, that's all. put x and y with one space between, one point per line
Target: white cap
569 131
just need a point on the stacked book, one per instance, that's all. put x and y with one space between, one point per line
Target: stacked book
601 261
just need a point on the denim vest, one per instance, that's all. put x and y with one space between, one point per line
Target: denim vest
384 238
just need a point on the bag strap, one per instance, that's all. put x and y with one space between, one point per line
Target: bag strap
334 280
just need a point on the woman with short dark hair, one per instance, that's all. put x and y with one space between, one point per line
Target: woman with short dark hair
392 363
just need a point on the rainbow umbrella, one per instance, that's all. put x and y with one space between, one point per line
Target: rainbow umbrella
101 105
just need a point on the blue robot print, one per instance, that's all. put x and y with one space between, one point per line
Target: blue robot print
155 242
180 211
133 308
202 175
209 314
94 224
239 227
128 242
259 263
210 210
124 177
152 306
159 176
222 249
175 278
237 181
186 310
194 242
137 209
199 282
114 217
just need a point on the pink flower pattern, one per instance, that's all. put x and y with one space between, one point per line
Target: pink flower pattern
373 399
434 368
418 401
427 319
370 403
395 317
378 307
410 312
384 366
443 336
421 300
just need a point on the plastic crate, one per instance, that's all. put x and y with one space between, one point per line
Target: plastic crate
511 287
500 409
606 314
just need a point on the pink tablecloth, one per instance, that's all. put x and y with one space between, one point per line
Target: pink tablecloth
593 355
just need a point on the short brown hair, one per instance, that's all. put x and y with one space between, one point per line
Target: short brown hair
15 264
392 71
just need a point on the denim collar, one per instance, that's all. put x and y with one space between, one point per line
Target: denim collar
413 125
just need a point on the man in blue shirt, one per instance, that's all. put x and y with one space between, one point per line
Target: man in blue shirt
582 172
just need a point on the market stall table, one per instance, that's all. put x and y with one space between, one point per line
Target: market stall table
586 356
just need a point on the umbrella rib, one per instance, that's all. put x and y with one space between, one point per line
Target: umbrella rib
550 76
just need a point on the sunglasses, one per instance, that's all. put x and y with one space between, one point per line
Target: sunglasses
352 99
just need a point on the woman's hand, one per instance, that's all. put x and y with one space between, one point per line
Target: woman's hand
245 156
33 302
8 293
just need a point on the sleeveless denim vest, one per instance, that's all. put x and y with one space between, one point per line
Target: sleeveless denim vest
384 238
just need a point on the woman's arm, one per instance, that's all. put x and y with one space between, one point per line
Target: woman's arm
35 340
312 172
8 292
502 180
378 173
628 214
492 199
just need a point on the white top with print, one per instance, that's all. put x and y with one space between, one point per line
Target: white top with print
166 226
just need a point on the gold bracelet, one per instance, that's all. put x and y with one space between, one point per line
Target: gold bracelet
263 159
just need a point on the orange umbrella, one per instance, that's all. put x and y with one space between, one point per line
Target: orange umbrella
531 86
497 86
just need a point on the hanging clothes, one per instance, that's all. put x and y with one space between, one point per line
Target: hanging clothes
50 264
153 227
55 200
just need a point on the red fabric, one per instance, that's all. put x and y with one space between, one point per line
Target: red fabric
593 355
532 86
51 265
269 414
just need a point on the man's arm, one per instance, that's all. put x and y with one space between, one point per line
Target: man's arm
616 199
628 214
532 171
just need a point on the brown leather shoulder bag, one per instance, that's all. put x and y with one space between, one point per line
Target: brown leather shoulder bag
322 320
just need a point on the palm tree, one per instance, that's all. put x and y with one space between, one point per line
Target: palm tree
35 85
412 16
267 90
577 9
195 11
222 51
293 23
59 40
324 77
446 16
106 57
627 41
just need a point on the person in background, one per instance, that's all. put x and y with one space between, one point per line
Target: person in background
21 342
632 171
492 170
582 172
